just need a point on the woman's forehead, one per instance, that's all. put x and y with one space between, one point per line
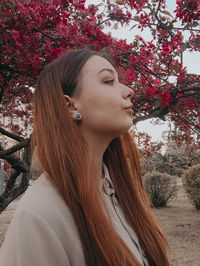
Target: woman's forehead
95 65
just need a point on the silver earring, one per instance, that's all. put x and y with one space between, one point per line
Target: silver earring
78 117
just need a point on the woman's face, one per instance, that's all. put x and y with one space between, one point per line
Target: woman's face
104 103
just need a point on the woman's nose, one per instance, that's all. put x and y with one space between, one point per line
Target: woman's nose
128 92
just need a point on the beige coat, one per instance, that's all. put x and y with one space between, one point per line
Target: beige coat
43 231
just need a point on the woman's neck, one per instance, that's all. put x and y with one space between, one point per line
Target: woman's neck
98 146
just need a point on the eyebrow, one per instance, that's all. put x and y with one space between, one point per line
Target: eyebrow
106 69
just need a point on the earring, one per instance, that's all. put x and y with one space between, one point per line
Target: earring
78 117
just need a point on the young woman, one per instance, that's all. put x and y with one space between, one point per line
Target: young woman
89 206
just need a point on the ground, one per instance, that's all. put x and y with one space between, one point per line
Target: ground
180 220
182 224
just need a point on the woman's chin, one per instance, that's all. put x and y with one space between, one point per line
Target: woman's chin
126 126
129 123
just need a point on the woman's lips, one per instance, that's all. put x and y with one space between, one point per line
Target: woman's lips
129 110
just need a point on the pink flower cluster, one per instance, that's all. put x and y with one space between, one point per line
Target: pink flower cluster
188 10
36 32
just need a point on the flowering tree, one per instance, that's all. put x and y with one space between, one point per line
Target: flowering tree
34 32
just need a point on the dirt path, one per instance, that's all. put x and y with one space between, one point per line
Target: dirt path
179 219
5 219
182 224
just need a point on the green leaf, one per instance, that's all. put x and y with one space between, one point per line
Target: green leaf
133 27
195 24
187 26
184 47
166 13
136 18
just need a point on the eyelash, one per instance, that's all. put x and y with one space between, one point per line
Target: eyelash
111 81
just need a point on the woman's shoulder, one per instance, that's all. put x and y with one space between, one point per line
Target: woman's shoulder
43 200
42 229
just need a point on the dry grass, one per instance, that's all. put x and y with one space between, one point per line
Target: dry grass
182 224
179 219
5 219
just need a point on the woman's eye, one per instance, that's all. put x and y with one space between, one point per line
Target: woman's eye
110 81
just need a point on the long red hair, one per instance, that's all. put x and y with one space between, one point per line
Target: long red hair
64 154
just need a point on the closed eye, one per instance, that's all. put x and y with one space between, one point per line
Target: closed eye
111 81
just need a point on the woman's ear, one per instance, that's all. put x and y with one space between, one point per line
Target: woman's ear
71 106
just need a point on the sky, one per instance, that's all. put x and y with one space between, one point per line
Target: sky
190 60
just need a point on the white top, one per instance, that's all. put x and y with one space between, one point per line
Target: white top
43 231
119 221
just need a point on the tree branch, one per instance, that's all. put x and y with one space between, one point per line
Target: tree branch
186 89
6 68
15 162
15 148
11 193
174 28
11 135
52 37
157 112
103 21
158 9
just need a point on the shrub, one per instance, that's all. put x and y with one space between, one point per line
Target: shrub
191 183
160 187
179 171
